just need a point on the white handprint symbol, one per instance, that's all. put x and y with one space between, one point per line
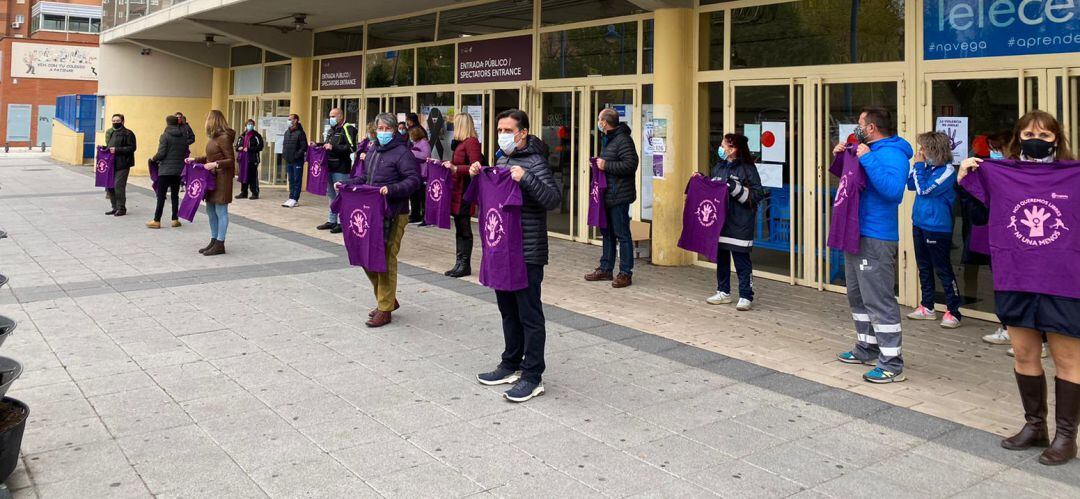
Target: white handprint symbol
1035 218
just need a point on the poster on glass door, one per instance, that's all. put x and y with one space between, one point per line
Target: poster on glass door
956 128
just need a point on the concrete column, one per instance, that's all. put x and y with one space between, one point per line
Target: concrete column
673 98
300 91
219 93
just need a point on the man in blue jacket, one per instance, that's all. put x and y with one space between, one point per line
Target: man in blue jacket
871 275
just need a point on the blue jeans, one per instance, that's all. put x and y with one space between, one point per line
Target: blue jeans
618 230
219 220
295 172
331 194
932 255
743 268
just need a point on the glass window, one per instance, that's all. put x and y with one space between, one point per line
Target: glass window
136 9
647 46
596 50
278 78
52 22
498 17
79 24
340 40
436 65
390 69
711 37
711 99
244 55
247 81
95 25
418 29
108 13
35 23
644 141
275 57
820 32
571 11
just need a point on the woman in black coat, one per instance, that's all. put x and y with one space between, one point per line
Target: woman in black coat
172 150
251 141
293 149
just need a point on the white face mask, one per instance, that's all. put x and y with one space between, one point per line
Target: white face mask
507 142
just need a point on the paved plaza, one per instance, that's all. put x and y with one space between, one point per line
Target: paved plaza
154 371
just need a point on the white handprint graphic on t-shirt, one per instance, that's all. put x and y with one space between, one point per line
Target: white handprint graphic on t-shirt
1035 218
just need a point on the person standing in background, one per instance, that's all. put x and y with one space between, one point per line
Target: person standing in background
421 150
251 141
340 143
619 162
172 150
293 150
121 142
466 153
185 127
220 159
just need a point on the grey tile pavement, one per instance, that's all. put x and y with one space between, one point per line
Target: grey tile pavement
251 375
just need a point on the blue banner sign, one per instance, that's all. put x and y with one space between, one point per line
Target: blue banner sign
955 29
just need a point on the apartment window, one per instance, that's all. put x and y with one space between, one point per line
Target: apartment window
53 22
79 24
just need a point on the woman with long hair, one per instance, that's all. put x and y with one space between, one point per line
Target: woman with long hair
1033 317
466 152
220 159
736 167
421 150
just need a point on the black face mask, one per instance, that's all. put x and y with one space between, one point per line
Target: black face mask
117 125
1036 148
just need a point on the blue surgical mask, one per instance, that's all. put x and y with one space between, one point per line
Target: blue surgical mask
600 126
507 142
996 155
721 152
250 127
384 137
333 121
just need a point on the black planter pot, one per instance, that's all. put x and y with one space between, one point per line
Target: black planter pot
7 326
3 280
11 435
10 370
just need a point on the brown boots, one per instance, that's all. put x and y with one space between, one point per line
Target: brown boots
208 246
1035 433
218 248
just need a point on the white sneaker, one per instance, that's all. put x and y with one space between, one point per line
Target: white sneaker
1044 353
949 321
999 337
744 305
289 203
922 314
720 298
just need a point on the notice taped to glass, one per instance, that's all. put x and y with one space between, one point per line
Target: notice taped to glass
504 59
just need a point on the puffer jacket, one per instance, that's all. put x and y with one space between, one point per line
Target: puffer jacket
189 134
394 166
746 192
294 145
255 146
342 140
220 149
621 165
123 140
934 196
172 149
539 192
886 167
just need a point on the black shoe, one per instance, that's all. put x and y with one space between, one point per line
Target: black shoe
121 212
326 226
423 224
242 195
336 229
457 267
254 197
499 376
462 271
111 212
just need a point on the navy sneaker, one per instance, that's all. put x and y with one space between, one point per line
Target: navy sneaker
524 391
500 376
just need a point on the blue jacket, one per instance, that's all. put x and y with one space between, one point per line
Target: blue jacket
886 167
934 196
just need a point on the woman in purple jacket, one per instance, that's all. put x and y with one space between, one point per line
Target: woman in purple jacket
421 149
391 167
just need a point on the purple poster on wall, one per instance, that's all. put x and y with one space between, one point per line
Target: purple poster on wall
341 73
504 59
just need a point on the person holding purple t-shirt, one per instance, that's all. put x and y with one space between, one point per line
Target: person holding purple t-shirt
524 331
1034 317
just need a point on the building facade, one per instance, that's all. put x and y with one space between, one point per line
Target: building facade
791 75
47 49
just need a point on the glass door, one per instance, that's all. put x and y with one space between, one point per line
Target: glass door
770 114
560 129
272 123
1067 105
478 105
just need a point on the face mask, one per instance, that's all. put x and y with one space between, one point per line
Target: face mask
860 134
401 131
507 142
996 155
384 137
333 121
250 127
117 125
600 126
1036 148
721 152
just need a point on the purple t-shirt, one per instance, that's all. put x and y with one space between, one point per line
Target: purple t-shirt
844 225
597 189
317 176
363 211
365 147
152 166
105 168
1034 209
439 189
703 215
198 180
979 239
502 267
242 165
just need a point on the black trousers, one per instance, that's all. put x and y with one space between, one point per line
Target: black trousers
167 184
524 330
463 234
743 268
253 181
416 203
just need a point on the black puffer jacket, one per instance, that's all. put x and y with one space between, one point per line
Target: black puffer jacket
189 134
342 140
621 165
124 142
294 145
746 192
171 151
255 145
540 193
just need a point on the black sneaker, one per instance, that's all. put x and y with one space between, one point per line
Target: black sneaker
336 229
524 391
111 212
500 376
326 226
242 195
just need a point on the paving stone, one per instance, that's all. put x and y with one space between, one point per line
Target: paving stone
370 461
741 479
321 476
424 479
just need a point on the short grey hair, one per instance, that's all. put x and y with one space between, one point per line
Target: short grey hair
610 116
387 118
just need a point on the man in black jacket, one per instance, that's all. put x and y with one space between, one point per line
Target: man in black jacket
121 143
340 143
172 150
619 162
185 128
524 330
293 150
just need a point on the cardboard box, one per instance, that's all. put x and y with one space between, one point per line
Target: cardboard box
640 231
